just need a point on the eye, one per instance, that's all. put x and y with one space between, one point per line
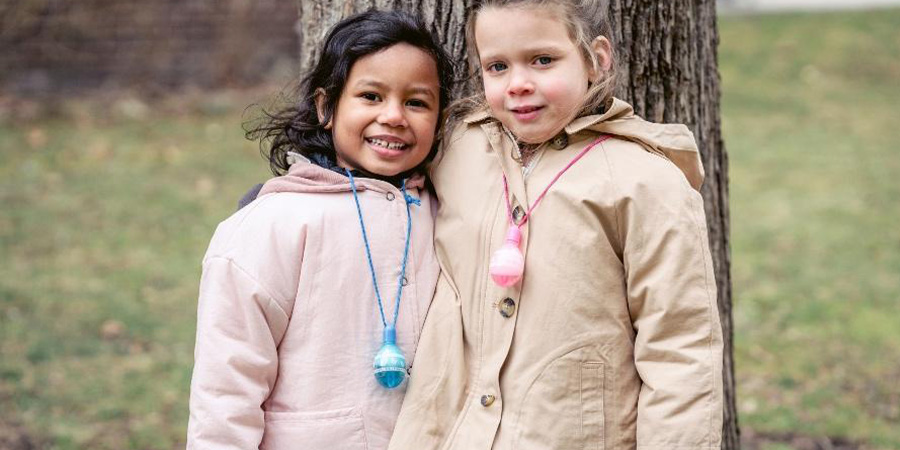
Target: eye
370 96
417 103
543 60
496 67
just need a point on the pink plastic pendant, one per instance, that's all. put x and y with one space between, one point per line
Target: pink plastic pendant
507 263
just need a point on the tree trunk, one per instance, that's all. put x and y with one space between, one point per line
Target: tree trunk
666 52
447 18
669 72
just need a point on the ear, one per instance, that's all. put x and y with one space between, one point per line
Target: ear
603 51
320 107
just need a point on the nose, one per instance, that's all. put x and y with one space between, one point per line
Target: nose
519 82
392 114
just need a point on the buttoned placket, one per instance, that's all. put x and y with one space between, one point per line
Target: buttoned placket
391 199
408 301
481 419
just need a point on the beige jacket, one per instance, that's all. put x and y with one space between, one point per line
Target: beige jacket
288 325
612 340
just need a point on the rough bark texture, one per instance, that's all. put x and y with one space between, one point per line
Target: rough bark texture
444 17
669 72
668 69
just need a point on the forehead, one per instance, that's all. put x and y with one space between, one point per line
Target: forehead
515 28
400 65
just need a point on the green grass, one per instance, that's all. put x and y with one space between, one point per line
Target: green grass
102 231
104 223
810 111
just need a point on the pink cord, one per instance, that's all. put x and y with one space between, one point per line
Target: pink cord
564 169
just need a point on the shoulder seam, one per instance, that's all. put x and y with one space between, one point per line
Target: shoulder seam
247 210
617 201
268 292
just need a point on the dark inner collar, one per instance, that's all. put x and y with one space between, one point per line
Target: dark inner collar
325 162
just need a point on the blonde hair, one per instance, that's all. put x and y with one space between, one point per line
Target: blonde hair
584 19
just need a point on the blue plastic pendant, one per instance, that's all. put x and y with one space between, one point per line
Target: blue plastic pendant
390 364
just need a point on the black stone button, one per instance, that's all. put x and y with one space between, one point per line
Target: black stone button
507 307
518 214
560 142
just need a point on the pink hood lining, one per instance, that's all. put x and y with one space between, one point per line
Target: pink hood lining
306 177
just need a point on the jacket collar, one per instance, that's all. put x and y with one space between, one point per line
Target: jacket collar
478 116
672 141
617 109
307 176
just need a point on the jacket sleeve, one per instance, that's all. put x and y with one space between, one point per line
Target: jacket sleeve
671 292
239 327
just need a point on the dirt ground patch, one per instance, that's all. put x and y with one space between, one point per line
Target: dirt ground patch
751 440
15 437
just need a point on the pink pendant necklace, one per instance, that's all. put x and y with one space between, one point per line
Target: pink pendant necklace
508 263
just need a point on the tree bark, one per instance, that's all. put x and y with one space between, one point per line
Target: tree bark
446 18
668 70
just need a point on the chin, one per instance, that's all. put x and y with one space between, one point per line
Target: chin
385 170
532 138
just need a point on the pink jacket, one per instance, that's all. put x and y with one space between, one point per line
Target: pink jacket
288 324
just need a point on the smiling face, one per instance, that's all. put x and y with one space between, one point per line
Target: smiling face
535 78
387 114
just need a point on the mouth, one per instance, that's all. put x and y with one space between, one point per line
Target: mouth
387 145
526 113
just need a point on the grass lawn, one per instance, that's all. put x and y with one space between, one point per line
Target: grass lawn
102 231
104 222
812 126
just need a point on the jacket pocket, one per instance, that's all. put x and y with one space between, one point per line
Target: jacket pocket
569 390
339 429
592 421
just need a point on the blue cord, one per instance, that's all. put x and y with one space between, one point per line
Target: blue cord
408 199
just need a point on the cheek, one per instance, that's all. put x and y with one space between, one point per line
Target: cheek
494 93
561 91
345 129
425 128
425 145
430 129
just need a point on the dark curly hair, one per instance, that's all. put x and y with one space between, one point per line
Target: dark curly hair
296 128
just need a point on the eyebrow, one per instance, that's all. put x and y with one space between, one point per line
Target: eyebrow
552 49
379 85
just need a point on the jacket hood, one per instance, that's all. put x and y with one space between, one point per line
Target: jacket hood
674 142
306 177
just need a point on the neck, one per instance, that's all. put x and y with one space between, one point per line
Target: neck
329 163
525 151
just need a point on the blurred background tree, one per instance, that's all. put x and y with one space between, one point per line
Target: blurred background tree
55 47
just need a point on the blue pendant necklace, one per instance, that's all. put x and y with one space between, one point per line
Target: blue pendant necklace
389 364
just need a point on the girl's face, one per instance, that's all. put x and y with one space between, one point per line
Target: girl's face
387 114
535 78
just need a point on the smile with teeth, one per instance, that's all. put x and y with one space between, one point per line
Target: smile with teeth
386 144
525 109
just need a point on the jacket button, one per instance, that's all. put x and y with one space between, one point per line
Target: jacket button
518 213
560 142
507 307
487 400
390 196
